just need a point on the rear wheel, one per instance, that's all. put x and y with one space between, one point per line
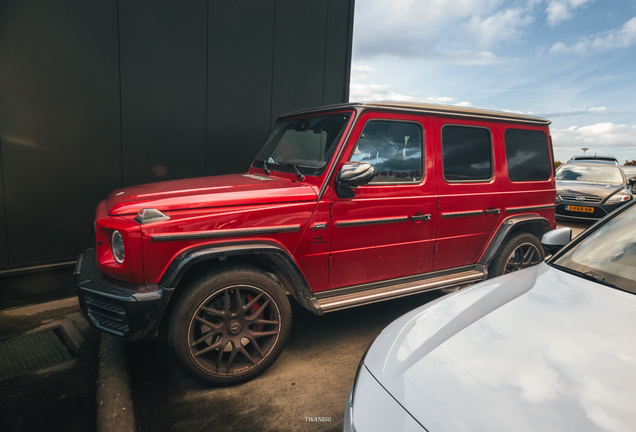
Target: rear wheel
230 325
522 250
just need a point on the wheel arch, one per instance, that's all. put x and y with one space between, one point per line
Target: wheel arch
268 256
531 223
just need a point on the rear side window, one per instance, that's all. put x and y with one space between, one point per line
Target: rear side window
528 155
467 153
394 148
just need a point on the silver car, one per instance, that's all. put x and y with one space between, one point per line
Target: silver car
548 348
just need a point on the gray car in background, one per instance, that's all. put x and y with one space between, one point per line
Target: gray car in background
550 348
589 190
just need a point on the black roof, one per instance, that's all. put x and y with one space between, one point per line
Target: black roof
430 109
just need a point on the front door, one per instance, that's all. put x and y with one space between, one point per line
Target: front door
386 230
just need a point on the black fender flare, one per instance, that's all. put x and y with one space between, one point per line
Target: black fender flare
283 264
509 225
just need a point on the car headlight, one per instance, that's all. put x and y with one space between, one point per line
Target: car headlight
117 246
620 197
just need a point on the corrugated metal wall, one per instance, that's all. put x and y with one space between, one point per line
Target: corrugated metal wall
99 95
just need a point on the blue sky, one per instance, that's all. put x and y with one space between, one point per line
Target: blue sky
570 61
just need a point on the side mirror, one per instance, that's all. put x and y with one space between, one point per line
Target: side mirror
554 240
351 175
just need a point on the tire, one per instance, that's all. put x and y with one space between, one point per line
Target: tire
522 250
247 320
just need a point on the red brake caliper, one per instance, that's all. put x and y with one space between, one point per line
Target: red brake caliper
253 309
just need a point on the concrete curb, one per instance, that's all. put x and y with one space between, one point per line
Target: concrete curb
115 409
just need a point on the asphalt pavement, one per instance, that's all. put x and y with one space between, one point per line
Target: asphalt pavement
310 379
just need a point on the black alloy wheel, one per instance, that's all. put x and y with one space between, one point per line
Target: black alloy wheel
520 251
525 255
230 326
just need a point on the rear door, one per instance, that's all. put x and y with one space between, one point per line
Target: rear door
386 230
469 185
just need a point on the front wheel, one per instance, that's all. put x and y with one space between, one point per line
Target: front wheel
520 251
230 325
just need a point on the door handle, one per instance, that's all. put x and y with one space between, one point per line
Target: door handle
492 211
420 217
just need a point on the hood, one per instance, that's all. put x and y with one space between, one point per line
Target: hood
216 191
539 349
601 190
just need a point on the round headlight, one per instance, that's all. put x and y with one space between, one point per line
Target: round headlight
117 246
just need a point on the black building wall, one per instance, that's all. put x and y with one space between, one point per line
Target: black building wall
99 95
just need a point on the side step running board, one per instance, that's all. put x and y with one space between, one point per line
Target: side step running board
344 298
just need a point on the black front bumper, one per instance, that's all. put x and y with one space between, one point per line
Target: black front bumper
127 310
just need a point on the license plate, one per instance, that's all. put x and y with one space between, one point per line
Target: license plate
579 209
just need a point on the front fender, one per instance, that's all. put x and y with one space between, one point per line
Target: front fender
279 260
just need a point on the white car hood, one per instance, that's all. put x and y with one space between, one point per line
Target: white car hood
539 349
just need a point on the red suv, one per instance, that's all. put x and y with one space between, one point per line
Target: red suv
343 206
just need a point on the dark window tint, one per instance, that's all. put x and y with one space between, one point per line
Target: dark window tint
528 155
467 153
393 148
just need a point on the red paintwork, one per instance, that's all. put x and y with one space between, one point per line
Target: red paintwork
131 270
331 257
206 192
374 252
221 218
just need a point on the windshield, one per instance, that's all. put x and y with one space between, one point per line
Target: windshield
593 174
305 144
608 255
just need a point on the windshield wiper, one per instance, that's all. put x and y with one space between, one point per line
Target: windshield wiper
594 276
298 174
265 168
598 278
589 275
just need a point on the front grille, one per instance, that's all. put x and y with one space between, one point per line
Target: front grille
110 306
588 198
121 328
107 314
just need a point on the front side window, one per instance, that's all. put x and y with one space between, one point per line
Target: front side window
467 153
527 155
394 148
305 144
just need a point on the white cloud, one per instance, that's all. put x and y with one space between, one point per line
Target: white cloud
561 10
382 92
460 31
617 38
597 135
442 99
377 92
505 25
468 58
575 112
359 72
